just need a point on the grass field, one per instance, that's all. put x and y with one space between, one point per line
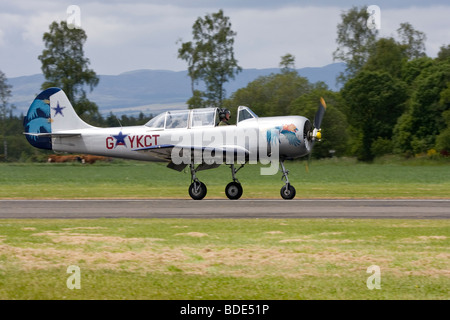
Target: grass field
224 259
289 259
325 179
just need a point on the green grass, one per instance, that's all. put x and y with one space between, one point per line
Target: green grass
224 259
325 179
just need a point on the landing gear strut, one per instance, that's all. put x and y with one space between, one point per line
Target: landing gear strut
234 190
197 189
287 191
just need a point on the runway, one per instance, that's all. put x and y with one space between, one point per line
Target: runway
225 209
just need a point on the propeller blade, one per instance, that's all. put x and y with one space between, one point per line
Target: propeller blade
316 134
307 162
309 157
319 114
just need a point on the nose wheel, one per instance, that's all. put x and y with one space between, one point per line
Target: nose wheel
287 192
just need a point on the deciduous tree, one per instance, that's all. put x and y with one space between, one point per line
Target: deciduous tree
65 66
5 111
355 41
374 100
210 58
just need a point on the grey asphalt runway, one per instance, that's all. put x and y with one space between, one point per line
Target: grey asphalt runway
226 209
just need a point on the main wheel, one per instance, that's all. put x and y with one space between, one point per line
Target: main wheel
233 190
287 192
197 190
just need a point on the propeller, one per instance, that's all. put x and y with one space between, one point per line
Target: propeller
320 112
316 134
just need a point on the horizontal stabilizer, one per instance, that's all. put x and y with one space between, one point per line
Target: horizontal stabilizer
53 134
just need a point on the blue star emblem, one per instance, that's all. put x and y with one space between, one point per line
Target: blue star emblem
58 109
120 139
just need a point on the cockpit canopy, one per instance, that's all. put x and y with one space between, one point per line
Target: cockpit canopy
194 118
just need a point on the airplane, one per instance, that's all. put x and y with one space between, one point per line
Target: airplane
190 137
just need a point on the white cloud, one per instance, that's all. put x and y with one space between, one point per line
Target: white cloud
265 35
2 35
36 25
433 21
123 36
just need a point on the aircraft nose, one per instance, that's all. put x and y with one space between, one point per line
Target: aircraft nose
296 141
307 135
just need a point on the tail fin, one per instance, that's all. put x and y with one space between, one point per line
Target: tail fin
50 113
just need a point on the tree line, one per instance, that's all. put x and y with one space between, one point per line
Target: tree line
63 66
394 99
14 147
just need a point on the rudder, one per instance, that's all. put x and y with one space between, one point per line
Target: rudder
63 115
50 112
37 122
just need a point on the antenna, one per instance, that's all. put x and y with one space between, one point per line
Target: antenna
118 121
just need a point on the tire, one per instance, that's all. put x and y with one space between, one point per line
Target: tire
287 192
233 190
197 190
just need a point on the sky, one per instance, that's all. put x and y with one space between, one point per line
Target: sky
137 34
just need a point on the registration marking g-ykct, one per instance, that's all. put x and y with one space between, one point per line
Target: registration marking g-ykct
134 141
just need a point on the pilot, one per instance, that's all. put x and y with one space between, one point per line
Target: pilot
224 116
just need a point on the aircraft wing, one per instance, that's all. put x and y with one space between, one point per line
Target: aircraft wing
165 152
166 149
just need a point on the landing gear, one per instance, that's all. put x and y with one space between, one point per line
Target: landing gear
197 189
234 190
287 191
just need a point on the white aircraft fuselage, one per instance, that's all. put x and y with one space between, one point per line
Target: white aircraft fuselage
183 137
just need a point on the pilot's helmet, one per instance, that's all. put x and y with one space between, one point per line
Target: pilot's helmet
223 112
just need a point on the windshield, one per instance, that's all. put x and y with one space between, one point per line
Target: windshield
245 113
157 122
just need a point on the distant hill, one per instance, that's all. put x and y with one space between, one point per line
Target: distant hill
154 91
